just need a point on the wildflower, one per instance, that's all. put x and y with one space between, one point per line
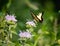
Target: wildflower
25 35
31 23
10 18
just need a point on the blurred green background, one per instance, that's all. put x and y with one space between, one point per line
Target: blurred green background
51 16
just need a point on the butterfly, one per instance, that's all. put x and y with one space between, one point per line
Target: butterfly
37 17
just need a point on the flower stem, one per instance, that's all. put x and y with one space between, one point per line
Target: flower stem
8 35
36 41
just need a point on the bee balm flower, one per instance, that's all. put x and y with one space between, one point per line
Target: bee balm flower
25 35
10 18
31 23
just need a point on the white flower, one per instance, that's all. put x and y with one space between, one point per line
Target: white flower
25 34
31 23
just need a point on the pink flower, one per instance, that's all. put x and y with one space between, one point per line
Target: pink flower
31 23
25 34
10 18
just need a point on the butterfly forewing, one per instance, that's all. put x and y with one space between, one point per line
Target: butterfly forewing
38 17
35 17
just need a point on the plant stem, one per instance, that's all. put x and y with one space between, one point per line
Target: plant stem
37 40
55 28
8 35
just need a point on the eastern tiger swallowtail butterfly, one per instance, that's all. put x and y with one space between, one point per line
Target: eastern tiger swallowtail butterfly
38 17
